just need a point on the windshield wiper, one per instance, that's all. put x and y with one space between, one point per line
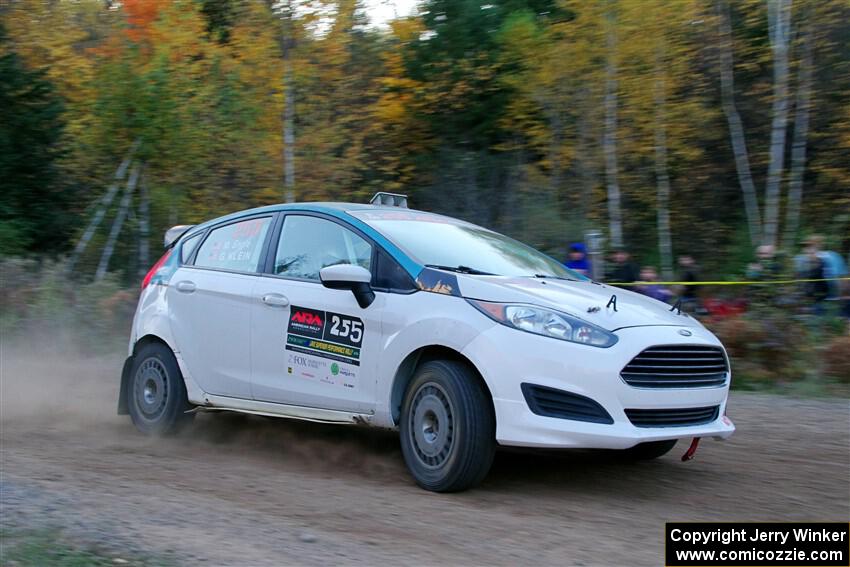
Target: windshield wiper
547 276
460 270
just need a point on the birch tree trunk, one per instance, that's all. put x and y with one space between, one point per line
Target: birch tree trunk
584 165
609 142
801 132
736 128
662 177
116 225
101 208
288 131
779 22
144 226
287 44
514 182
555 162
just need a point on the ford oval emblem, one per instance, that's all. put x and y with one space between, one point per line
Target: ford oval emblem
685 332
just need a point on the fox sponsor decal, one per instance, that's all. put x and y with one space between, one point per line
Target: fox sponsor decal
315 368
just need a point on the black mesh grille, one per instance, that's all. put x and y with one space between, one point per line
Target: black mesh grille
672 417
677 366
550 402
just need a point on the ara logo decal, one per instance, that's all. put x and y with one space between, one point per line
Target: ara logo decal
307 318
307 322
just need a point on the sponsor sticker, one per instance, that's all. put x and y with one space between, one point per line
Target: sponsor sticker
324 345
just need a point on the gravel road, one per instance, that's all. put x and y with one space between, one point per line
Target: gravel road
245 490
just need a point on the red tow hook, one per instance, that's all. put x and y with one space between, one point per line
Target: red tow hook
689 454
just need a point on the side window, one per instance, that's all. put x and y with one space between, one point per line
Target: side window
235 247
308 244
188 247
390 276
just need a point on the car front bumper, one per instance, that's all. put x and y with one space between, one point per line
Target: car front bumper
508 358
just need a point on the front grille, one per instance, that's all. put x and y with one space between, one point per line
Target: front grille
550 402
677 366
672 417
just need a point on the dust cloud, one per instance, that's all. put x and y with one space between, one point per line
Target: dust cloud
40 381
46 384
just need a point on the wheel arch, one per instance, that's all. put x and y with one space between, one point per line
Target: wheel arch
406 370
128 366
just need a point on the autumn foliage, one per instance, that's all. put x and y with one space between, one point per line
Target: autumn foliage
521 115
141 16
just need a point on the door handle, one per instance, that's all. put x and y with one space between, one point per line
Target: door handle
275 300
186 286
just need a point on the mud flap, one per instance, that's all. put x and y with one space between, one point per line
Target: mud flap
125 385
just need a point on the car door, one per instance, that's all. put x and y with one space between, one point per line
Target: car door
210 305
313 346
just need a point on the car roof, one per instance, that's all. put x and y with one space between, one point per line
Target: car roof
338 209
315 206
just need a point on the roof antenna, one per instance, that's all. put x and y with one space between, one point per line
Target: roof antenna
677 306
613 301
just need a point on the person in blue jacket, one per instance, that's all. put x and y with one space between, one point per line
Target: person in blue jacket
577 259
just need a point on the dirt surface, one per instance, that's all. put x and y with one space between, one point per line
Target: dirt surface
245 490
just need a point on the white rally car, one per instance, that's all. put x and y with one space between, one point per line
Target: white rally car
455 335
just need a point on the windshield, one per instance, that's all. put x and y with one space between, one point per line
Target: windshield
447 243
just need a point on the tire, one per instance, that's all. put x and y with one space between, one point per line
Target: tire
649 450
156 398
447 427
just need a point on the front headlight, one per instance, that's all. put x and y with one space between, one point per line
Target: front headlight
546 322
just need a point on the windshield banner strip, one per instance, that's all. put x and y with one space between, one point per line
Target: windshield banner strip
437 281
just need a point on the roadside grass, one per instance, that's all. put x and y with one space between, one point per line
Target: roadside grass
815 386
50 548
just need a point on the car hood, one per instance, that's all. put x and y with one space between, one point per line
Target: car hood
583 299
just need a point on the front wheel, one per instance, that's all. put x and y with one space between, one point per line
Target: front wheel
157 399
447 427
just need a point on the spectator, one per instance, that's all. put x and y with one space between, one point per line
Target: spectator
833 267
845 294
655 291
814 268
767 265
577 259
623 270
689 272
833 264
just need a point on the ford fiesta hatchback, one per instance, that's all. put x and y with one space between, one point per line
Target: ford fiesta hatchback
458 337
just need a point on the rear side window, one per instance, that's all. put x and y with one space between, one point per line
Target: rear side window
235 247
188 247
308 244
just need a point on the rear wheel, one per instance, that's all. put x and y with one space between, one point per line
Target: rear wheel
447 427
157 399
649 450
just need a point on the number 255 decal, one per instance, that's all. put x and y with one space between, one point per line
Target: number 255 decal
349 329
325 325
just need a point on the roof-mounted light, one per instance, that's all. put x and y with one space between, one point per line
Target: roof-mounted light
389 200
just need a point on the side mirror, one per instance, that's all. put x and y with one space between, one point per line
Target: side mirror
354 278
